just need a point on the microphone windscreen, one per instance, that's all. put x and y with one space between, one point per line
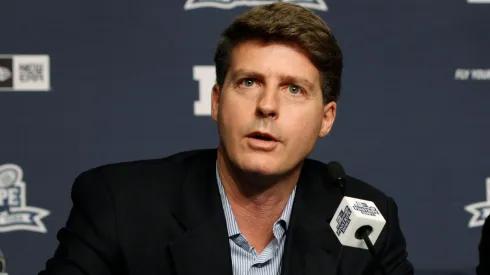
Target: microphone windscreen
335 170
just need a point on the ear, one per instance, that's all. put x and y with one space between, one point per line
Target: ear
215 97
329 113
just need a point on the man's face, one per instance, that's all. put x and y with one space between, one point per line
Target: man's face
270 110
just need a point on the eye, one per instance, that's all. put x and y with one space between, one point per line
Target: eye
248 82
294 89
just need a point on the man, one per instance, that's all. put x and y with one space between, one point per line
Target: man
484 248
254 205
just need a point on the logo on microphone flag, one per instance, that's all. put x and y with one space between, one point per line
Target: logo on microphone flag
230 4
366 209
480 210
14 214
343 220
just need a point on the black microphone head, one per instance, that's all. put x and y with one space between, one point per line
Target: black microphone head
335 170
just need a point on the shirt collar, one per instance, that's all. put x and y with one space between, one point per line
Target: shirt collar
231 223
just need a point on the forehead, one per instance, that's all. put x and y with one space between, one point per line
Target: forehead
272 60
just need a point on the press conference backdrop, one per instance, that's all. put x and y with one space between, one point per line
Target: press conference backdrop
85 83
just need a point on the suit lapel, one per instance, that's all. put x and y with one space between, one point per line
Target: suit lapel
311 246
204 247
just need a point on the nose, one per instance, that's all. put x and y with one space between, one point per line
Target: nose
268 103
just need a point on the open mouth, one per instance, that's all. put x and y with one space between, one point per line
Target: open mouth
262 136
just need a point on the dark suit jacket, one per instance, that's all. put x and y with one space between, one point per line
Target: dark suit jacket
484 248
165 217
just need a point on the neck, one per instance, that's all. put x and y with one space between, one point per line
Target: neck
262 197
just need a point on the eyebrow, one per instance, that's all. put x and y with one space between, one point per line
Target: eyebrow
285 78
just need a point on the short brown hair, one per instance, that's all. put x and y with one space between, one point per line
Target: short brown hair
286 23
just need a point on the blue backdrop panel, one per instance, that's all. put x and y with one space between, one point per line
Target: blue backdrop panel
85 83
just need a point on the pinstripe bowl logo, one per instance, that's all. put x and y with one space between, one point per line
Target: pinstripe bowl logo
479 210
230 4
14 213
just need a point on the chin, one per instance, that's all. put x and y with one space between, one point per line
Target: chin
262 164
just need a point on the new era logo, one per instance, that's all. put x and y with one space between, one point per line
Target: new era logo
24 73
5 73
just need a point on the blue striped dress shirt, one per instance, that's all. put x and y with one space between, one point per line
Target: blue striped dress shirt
244 257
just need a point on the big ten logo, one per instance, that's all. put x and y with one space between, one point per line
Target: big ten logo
206 77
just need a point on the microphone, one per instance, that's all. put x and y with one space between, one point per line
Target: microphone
357 223
336 172
3 264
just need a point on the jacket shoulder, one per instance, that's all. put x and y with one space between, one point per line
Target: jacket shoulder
165 172
137 167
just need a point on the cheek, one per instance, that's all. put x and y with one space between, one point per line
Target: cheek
233 113
305 127
309 129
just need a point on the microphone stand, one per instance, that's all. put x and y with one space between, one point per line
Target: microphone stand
338 175
363 233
